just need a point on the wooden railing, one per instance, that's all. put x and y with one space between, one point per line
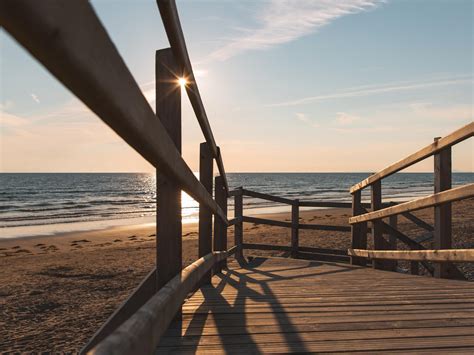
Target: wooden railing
294 249
383 255
70 41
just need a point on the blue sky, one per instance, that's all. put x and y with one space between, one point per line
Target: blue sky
349 85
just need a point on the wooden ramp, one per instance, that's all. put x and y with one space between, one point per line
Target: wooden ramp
280 305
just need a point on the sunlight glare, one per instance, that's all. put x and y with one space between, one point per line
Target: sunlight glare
182 82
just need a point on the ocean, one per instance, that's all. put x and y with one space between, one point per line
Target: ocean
40 203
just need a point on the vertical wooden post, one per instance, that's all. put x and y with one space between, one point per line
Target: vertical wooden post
220 228
238 227
377 232
206 164
168 199
442 213
359 230
392 240
295 216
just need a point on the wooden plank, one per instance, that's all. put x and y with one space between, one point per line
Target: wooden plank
266 247
455 137
377 232
358 231
174 32
269 222
451 255
267 197
168 193
152 319
295 216
220 228
452 195
206 166
238 227
324 227
234 221
392 240
87 63
442 213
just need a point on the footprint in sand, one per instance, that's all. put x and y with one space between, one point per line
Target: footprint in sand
328 215
39 245
117 240
16 247
81 241
133 237
23 251
152 235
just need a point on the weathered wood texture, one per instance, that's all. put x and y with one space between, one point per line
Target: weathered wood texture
288 305
445 142
141 333
220 228
442 213
168 198
238 226
455 194
171 22
72 44
358 231
295 216
380 243
206 165
450 255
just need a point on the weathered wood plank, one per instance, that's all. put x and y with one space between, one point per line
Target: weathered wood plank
267 197
238 226
451 255
220 228
358 231
455 194
87 62
269 222
295 216
168 193
455 137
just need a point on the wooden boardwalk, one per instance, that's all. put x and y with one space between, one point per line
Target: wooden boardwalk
280 305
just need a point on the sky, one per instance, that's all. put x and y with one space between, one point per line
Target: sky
288 86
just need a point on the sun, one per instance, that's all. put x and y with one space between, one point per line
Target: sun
182 82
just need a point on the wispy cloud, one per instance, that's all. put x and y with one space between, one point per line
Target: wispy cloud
345 119
304 118
35 98
282 21
375 90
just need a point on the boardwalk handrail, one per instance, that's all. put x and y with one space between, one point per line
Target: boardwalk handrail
441 200
141 333
455 194
455 137
440 255
170 17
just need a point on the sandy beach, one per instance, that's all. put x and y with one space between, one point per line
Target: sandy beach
56 291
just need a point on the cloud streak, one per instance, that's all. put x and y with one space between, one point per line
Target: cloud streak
283 21
374 90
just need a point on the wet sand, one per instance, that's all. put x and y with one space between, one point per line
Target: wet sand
56 291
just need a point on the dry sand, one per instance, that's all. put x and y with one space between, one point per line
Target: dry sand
56 291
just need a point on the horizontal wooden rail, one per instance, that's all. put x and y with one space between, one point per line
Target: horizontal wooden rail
141 333
435 147
72 44
324 227
269 222
325 204
233 221
452 195
449 255
170 17
267 197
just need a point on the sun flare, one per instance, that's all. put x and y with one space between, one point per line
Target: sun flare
182 82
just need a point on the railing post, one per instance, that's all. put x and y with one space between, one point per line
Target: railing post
206 164
380 243
358 230
392 239
220 228
168 199
238 227
295 216
442 213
